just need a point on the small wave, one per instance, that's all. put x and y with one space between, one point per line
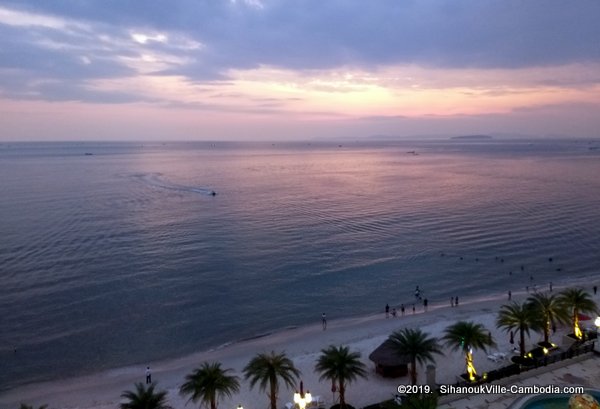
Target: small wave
223 345
254 337
257 336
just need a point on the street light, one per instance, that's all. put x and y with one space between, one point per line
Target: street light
240 407
301 398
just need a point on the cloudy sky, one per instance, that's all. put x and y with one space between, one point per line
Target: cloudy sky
276 69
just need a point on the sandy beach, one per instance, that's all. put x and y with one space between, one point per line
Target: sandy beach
303 345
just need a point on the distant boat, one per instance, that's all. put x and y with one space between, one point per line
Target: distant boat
88 154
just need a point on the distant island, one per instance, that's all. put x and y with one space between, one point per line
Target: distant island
471 137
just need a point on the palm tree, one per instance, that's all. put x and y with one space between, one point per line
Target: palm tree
421 401
576 300
267 369
207 383
547 312
466 336
143 398
415 344
338 364
519 317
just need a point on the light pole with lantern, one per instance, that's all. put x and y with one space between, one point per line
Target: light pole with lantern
302 399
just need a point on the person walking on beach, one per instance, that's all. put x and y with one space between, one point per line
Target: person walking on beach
394 312
451 301
456 301
387 311
509 295
595 289
324 321
425 302
413 308
148 376
402 309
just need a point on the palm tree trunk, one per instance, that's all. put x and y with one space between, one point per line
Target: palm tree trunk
575 322
342 394
547 331
273 401
522 342
471 372
413 371
273 395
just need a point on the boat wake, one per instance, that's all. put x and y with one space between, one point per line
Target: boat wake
157 180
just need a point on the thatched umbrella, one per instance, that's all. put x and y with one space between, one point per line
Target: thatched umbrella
387 361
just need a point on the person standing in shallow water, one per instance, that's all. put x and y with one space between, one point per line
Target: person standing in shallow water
418 293
148 376
387 311
324 321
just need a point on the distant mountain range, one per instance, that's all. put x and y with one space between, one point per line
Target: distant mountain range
430 137
472 137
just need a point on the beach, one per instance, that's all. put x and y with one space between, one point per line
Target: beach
302 345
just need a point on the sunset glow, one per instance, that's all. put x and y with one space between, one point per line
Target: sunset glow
247 74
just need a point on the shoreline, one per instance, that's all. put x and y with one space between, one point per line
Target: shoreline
302 344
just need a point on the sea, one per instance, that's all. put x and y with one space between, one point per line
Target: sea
117 254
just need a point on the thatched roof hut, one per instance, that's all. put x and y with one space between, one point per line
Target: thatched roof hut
387 361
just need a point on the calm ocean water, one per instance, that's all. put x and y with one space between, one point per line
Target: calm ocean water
124 256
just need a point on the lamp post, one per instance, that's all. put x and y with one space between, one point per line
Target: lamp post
240 407
301 398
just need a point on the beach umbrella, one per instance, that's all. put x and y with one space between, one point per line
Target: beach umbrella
583 317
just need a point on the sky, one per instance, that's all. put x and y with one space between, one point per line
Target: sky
297 69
